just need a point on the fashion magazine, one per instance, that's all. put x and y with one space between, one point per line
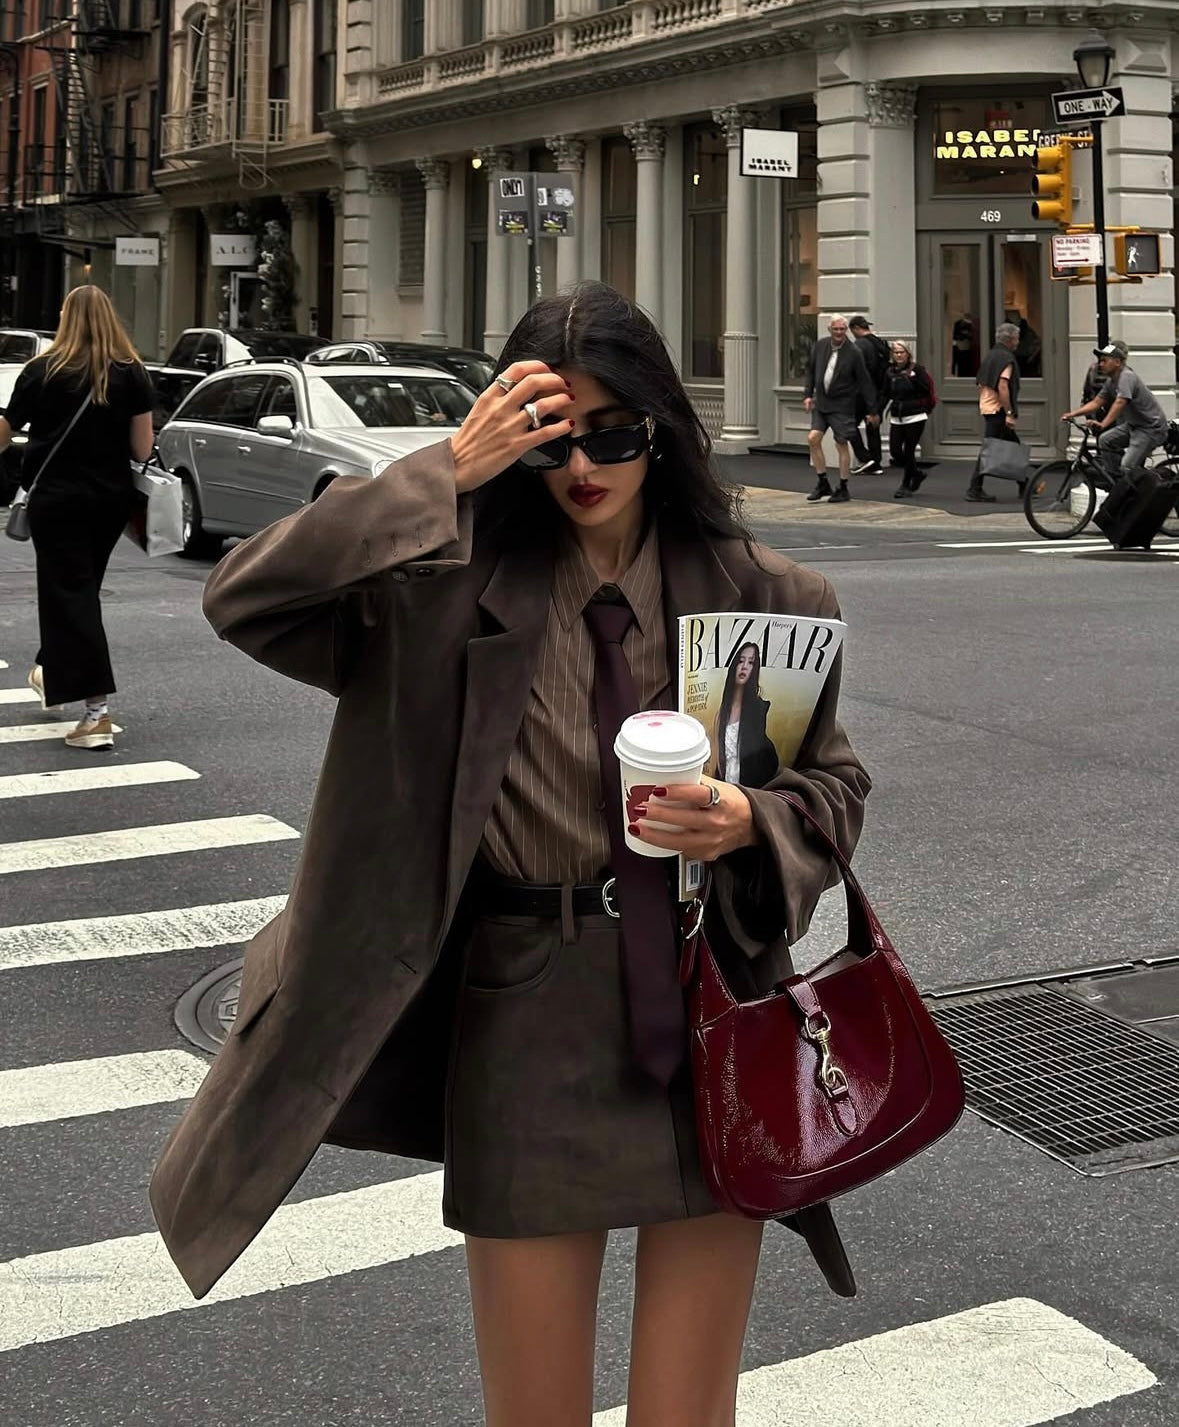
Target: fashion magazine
753 681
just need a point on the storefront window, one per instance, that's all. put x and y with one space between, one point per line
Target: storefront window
800 248
985 144
706 197
961 287
1023 303
619 206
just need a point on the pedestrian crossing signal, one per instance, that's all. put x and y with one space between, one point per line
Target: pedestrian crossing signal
1137 254
1052 183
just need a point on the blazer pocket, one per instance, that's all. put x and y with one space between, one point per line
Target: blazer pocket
260 981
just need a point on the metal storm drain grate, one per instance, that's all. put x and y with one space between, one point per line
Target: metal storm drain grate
1095 1092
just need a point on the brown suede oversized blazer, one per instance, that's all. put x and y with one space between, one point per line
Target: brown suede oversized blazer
378 594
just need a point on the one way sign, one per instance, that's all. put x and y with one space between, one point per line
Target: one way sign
1079 106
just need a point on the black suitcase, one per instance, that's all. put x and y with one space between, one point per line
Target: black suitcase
1133 512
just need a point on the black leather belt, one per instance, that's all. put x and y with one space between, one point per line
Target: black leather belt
538 899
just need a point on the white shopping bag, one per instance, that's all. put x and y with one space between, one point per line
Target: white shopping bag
157 522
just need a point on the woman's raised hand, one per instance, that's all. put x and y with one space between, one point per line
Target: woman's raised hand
497 430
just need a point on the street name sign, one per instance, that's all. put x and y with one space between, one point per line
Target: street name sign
1079 106
1077 250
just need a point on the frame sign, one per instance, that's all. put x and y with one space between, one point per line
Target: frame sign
1082 106
1077 250
769 153
137 252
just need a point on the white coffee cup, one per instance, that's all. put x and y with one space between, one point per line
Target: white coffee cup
654 749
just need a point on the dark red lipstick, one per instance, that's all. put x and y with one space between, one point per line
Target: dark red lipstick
587 495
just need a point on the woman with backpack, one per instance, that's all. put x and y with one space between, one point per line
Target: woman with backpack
908 396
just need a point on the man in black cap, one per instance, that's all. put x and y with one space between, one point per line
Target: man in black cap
874 351
1133 423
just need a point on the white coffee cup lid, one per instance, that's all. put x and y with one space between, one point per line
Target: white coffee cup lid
663 740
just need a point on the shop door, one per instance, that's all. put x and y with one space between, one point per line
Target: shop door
980 280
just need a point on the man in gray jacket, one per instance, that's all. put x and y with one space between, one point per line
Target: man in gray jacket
1132 423
835 377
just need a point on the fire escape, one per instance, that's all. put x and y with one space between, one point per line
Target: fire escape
225 81
95 163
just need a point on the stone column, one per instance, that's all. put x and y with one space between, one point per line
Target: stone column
498 321
301 122
436 177
845 183
570 155
892 209
304 251
740 424
384 246
648 140
1139 180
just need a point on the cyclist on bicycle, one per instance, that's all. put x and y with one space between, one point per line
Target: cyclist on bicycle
1133 423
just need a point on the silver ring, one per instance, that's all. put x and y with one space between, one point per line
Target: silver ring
533 414
713 795
504 383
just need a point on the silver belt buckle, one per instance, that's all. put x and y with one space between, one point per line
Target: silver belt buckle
608 899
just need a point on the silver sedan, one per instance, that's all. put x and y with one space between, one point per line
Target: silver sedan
253 443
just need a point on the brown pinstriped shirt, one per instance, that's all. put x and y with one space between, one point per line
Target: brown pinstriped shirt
548 823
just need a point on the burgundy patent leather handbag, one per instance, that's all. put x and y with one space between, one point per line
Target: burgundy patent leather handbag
831 1080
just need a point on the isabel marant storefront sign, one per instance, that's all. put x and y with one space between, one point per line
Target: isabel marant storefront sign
987 144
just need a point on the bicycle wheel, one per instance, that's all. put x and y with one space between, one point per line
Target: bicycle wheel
1059 500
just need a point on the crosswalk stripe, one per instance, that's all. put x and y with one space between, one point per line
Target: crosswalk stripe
41 1093
64 1292
1071 549
33 732
1017 1363
150 841
18 696
83 780
1077 542
3 663
136 934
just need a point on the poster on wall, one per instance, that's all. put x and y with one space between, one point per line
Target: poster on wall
137 252
232 250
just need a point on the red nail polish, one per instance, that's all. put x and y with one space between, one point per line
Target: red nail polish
632 828
659 792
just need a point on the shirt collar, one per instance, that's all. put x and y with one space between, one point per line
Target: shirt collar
575 582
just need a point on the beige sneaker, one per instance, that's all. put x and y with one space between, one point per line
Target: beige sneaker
36 682
92 733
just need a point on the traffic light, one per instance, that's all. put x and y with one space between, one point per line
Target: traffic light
1137 254
1052 184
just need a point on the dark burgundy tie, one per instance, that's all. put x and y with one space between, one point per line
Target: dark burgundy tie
658 1028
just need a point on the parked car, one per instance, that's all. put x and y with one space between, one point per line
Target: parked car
201 350
255 442
469 365
19 345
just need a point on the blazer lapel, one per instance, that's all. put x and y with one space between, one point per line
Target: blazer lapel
694 582
500 666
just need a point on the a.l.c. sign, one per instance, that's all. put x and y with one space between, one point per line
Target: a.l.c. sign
232 250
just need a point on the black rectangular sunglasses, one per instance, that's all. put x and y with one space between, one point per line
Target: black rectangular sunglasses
611 446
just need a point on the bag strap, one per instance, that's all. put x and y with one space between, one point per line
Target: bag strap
57 445
864 932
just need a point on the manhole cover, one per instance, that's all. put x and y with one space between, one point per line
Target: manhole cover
206 1011
1095 1092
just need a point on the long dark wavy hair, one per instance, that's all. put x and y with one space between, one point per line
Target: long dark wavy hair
593 327
749 697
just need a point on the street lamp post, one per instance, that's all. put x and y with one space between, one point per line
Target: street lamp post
1094 58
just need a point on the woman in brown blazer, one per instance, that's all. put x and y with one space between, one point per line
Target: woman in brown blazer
450 978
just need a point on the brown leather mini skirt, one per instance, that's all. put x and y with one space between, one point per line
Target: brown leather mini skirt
550 1128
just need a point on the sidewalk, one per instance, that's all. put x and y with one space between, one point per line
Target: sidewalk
942 493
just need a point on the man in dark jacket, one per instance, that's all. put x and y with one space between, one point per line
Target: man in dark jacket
874 351
998 398
835 378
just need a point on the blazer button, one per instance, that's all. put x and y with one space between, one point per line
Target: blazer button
401 577
421 574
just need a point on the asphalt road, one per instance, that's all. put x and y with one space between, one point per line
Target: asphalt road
1017 710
